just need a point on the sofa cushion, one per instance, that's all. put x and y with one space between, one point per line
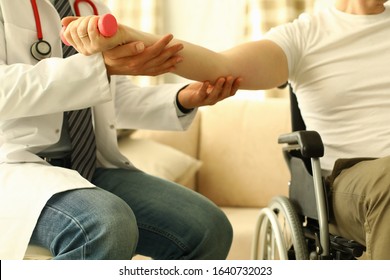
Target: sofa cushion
160 160
183 141
243 164
243 221
35 252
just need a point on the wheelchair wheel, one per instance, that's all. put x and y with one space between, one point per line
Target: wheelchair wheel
278 234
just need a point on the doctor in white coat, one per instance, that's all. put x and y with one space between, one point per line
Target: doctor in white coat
121 211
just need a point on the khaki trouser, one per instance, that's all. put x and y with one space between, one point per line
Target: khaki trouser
361 204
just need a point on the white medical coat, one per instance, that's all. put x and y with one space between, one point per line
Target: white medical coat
33 97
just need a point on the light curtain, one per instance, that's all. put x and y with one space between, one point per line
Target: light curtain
145 15
140 14
276 12
261 15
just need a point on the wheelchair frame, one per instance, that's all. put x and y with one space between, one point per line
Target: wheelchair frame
297 227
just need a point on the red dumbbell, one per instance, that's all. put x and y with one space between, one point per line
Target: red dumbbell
107 26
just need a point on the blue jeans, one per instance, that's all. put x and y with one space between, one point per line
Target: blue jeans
130 213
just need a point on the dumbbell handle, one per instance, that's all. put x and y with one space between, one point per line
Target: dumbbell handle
107 26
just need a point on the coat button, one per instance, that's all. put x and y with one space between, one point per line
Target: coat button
112 126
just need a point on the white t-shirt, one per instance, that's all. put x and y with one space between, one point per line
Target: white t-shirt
339 67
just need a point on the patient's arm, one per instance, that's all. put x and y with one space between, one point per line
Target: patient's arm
261 64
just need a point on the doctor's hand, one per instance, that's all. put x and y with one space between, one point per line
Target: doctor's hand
121 57
137 59
203 94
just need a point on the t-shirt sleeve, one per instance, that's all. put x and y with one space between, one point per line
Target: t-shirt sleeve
291 38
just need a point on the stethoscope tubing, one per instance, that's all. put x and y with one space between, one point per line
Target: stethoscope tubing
42 49
37 19
77 8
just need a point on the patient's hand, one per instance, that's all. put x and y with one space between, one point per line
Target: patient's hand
83 34
121 56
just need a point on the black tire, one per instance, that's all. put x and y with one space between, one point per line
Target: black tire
278 226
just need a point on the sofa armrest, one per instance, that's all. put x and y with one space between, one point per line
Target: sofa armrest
243 164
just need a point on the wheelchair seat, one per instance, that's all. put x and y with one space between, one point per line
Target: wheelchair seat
297 227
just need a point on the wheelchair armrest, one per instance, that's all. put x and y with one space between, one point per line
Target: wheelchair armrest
309 142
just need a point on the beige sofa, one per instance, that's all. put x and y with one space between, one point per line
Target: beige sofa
229 154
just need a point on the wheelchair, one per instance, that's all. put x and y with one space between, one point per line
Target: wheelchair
297 227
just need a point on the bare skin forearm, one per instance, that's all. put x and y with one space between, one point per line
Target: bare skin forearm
260 64
199 63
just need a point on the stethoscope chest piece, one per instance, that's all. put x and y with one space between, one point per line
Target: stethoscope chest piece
41 50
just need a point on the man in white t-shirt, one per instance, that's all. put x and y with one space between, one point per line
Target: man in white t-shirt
337 61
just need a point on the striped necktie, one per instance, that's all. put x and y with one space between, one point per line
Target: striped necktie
83 154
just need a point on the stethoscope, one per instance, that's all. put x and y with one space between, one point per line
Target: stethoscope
42 49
